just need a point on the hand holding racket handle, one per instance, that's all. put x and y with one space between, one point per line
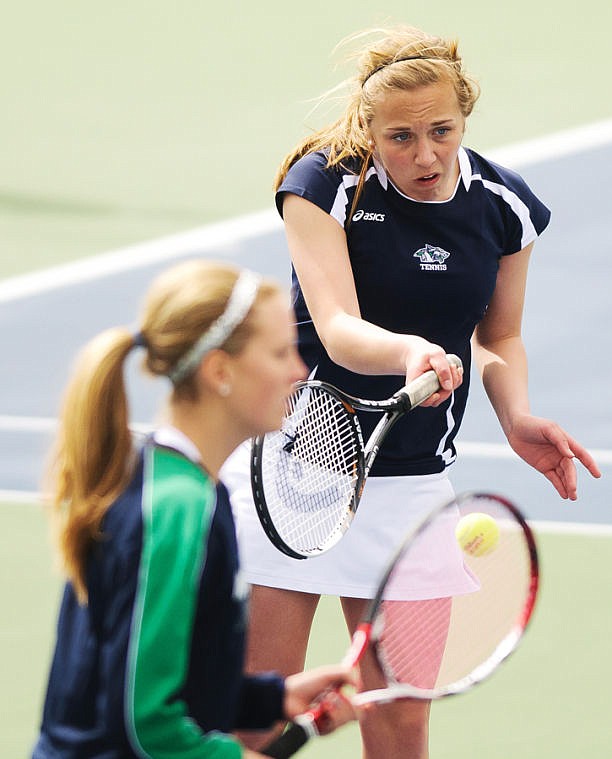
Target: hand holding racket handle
419 389
320 720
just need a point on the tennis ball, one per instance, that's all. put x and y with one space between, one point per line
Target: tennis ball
477 534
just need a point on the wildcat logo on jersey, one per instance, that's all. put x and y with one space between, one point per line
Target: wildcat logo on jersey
432 258
368 216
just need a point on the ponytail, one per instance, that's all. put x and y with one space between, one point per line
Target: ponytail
92 460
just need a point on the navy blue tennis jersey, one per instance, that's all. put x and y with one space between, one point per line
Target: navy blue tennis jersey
152 665
423 268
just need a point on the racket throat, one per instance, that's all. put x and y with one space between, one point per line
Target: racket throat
359 643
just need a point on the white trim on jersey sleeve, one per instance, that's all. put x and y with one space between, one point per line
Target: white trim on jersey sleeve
338 209
511 198
517 205
465 168
380 173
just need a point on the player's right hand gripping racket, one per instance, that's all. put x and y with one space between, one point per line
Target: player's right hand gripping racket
308 477
480 548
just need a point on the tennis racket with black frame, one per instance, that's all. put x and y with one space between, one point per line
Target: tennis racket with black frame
433 648
308 477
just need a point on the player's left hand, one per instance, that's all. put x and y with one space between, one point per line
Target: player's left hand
551 451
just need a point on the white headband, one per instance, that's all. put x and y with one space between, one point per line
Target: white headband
238 306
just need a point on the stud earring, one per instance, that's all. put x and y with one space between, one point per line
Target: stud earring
225 389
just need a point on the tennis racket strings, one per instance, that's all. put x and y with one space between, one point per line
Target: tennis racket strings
311 469
436 647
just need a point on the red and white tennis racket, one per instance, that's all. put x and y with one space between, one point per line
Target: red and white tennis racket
430 648
307 478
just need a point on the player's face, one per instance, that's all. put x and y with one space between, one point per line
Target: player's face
267 368
416 136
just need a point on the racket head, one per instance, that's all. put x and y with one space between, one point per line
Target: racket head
430 648
308 476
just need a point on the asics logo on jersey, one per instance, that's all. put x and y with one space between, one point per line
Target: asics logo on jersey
432 258
368 216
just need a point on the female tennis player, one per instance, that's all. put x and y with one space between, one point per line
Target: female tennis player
406 246
149 653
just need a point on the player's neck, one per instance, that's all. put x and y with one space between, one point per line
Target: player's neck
208 427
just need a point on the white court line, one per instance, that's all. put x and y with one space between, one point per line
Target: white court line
27 424
557 145
469 449
465 448
572 528
225 233
503 451
218 236
9 497
589 529
36 424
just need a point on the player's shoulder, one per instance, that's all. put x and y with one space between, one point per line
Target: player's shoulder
487 170
317 163
505 189
312 177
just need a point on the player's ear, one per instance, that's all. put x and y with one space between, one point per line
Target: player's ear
216 373
372 146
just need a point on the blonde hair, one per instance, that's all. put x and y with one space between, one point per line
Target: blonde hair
401 58
93 455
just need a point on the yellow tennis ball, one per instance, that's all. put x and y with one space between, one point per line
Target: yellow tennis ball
477 534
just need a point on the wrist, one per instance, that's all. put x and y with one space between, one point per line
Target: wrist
511 422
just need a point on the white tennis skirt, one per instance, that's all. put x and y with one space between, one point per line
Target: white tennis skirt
390 506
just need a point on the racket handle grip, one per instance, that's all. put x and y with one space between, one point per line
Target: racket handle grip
427 384
304 727
299 732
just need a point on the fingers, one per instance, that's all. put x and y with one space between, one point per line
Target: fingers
570 478
334 676
420 356
557 483
337 710
304 688
449 377
559 438
566 478
585 458
439 363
